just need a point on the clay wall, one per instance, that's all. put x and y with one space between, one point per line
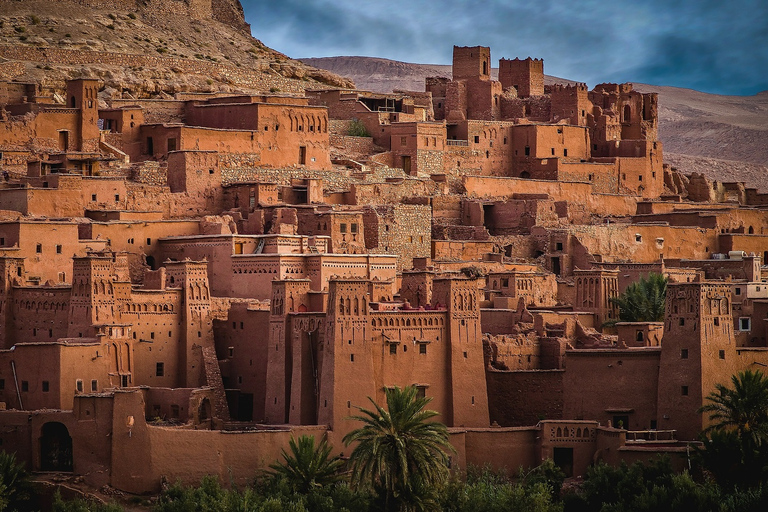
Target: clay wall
511 352
518 398
346 229
538 289
155 316
47 258
580 193
168 404
139 239
518 216
743 242
49 375
38 314
436 86
640 334
571 102
243 359
747 269
585 438
619 383
249 275
640 243
458 250
42 202
507 449
420 145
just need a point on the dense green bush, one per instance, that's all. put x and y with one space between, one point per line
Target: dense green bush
15 488
358 129
79 505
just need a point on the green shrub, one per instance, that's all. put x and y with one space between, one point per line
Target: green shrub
80 505
15 489
358 129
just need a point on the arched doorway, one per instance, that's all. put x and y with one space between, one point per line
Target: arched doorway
55 447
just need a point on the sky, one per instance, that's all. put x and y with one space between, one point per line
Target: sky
712 46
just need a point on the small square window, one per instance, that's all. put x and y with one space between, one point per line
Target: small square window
94 385
231 351
353 227
738 291
403 141
342 228
684 390
117 197
745 324
422 348
477 139
160 370
392 348
149 241
58 249
79 385
684 353
721 354
559 246
2 384
46 386
39 248
682 321
93 197
352 358
25 385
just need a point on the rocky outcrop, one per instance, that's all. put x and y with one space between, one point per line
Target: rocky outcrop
146 48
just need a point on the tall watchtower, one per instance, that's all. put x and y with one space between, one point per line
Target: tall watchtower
471 63
83 95
469 396
697 351
527 76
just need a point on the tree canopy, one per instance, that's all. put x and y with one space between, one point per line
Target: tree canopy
399 451
643 300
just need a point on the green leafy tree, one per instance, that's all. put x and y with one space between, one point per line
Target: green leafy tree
643 300
308 467
15 487
735 443
357 129
399 452
743 408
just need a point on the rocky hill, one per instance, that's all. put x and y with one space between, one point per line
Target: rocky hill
145 48
722 137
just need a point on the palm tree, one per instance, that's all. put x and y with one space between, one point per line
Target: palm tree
735 447
642 301
399 452
308 467
743 408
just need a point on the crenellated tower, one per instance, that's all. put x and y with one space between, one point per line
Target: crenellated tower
345 379
469 396
697 351
525 75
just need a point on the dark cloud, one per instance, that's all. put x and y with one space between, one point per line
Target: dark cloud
719 47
